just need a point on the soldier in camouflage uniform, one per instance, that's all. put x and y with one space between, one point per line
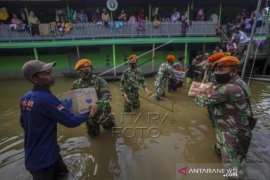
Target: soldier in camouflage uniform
209 77
102 108
130 83
237 80
230 113
164 73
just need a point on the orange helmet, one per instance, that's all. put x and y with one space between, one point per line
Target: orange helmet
227 61
132 58
171 58
83 63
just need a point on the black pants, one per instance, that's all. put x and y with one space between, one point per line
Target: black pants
34 29
173 84
54 172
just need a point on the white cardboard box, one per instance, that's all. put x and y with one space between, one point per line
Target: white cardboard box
81 99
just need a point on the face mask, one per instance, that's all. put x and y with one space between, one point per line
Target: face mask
133 65
85 75
222 78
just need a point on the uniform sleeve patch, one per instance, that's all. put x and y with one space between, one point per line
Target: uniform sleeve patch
60 107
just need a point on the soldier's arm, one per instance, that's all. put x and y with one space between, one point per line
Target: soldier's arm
104 94
122 83
74 85
215 98
171 73
205 76
144 84
244 87
161 69
104 91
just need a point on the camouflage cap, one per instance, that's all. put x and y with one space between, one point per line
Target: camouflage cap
34 66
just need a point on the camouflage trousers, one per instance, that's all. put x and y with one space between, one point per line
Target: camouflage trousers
233 147
211 116
160 86
134 101
104 117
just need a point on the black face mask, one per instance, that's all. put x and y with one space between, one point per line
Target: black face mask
85 75
222 78
133 65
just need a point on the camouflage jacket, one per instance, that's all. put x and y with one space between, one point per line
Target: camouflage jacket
164 72
130 81
101 86
229 107
209 75
239 81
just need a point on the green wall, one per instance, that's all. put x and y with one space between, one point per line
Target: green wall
13 63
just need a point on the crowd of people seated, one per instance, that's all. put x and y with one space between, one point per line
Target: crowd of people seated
25 20
67 18
238 29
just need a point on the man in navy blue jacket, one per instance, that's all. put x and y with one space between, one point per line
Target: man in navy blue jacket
40 113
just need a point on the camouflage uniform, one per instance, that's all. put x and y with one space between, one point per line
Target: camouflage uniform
232 129
104 116
130 83
164 72
210 78
209 75
239 81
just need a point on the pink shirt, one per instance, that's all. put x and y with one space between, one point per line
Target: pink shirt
16 21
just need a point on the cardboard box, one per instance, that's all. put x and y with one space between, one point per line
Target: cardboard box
79 100
44 29
198 87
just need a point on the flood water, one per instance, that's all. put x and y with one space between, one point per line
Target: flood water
148 144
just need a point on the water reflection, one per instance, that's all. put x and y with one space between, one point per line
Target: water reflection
186 136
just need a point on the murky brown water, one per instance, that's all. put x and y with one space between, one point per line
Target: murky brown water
146 145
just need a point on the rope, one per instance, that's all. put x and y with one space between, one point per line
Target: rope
138 58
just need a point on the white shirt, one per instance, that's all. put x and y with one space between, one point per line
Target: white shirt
243 38
214 17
